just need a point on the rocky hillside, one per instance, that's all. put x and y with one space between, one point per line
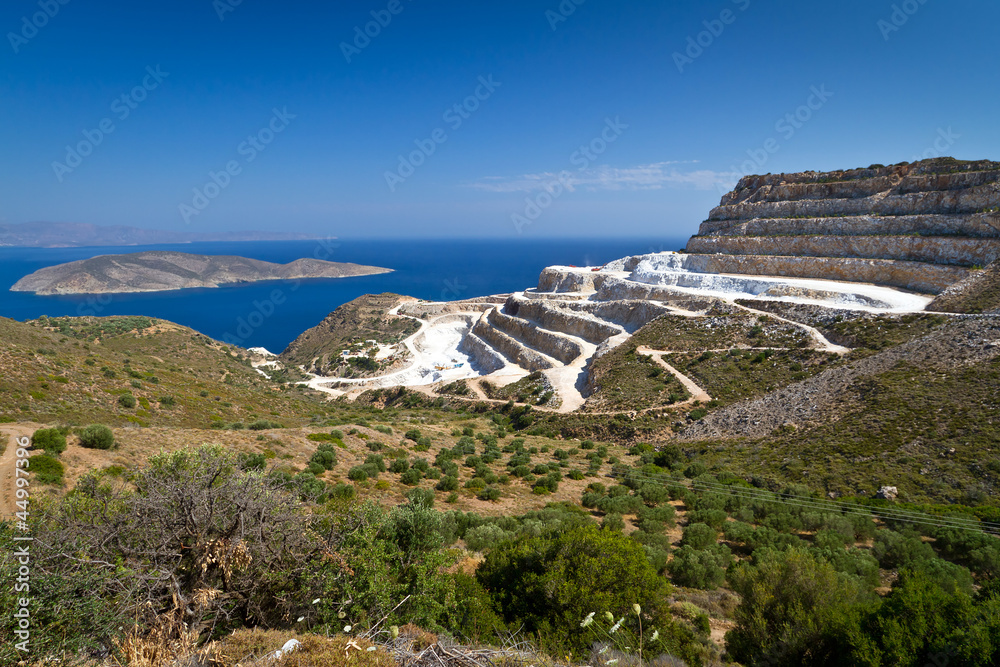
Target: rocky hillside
979 293
366 318
158 271
921 226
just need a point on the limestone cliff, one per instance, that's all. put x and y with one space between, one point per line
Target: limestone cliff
920 226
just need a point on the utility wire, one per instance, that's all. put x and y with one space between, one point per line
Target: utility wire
892 514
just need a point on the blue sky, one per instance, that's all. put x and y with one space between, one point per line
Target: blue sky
304 134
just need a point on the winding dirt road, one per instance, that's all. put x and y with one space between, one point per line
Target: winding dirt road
697 393
821 340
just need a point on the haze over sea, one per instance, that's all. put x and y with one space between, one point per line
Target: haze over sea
436 270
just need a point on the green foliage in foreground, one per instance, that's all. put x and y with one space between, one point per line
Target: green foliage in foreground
550 583
798 610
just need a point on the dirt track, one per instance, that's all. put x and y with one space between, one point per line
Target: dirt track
8 463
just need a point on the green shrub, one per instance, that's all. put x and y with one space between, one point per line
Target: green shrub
127 401
790 603
46 469
343 491
325 457
411 477
447 483
695 469
549 583
699 536
258 425
700 568
894 550
613 522
489 493
714 518
97 436
51 440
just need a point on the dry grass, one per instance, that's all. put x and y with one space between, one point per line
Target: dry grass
413 647
253 647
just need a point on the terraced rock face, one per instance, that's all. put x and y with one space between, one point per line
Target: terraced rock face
920 226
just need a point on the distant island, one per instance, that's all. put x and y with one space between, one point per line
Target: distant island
74 235
158 271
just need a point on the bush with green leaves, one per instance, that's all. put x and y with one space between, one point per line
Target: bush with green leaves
447 483
127 401
700 568
699 535
714 518
325 457
52 440
613 522
549 583
46 469
791 604
258 425
97 436
482 538
411 477
359 473
894 550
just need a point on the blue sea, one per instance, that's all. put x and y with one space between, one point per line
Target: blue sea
273 314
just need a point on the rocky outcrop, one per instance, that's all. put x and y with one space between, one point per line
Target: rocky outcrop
979 293
914 226
569 279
